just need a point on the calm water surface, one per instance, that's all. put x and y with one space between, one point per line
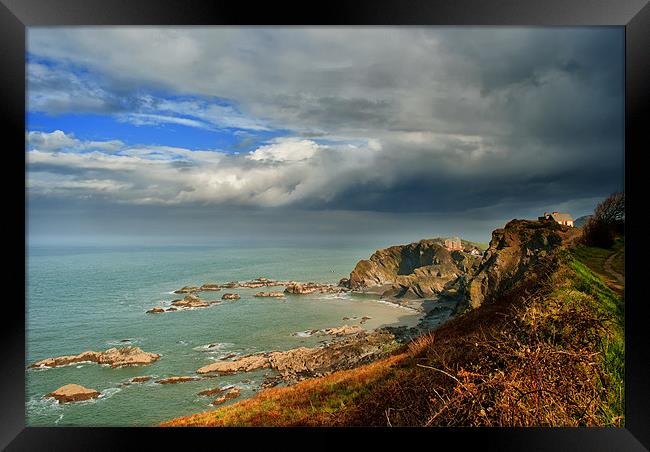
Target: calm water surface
95 298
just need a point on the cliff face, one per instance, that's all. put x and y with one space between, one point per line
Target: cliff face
416 270
512 254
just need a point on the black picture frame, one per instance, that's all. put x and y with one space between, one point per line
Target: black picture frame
634 15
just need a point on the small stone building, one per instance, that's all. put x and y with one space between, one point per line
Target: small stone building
453 244
562 218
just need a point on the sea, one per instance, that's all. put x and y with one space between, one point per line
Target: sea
94 298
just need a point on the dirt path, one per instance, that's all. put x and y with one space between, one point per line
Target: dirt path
609 269
614 279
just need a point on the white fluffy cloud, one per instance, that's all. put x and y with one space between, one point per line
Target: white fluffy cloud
286 150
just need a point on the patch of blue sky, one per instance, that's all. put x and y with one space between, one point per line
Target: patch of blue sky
98 127
143 115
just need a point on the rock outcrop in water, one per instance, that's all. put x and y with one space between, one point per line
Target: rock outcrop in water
311 287
173 380
270 294
210 288
512 254
230 296
417 270
191 301
72 393
187 289
230 394
115 357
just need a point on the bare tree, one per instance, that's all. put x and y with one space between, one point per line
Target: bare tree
612 209
607 221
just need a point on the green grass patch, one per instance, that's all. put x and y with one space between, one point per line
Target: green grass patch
612 307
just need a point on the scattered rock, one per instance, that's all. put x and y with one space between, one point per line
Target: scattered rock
228 356
115 357
310 287
172 380
188 289
73 393
155 310
270 381
209 392
230 285
172 309
191 301
230 296
344 330
210 288
233 393
270 294
139 379
243 364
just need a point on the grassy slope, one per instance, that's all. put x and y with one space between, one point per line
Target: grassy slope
549 353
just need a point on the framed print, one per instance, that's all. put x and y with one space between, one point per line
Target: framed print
380 217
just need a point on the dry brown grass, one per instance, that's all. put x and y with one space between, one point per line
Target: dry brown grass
311 402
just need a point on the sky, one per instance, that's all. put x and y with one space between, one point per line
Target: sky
335 135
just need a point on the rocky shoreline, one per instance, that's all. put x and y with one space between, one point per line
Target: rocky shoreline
348 345
302 362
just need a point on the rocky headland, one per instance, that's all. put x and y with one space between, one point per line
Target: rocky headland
418 270
512 256
114 357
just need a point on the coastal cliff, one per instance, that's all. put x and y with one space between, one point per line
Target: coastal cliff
512 256
417 270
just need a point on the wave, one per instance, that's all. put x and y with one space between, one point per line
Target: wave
106 394
306 333
335 296
124 342
41 405
390 303
214 347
